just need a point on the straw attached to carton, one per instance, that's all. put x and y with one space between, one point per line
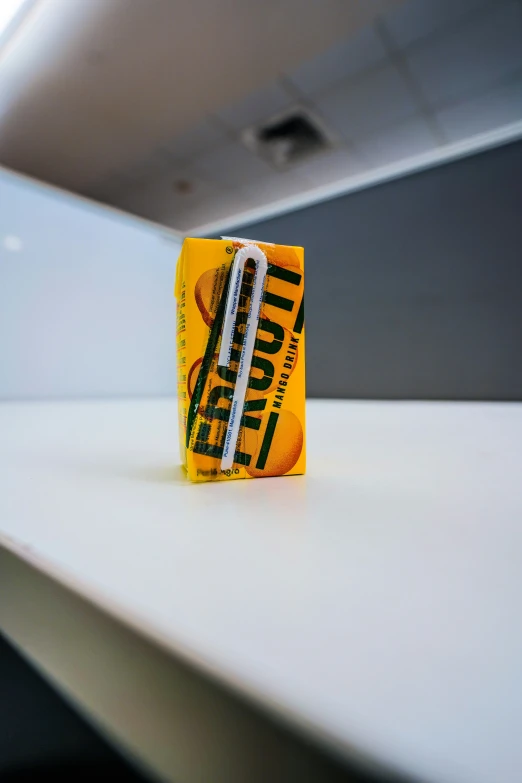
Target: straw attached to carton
254 253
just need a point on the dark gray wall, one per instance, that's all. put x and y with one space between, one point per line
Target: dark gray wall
414 287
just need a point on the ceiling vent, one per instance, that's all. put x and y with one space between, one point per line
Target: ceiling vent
288 138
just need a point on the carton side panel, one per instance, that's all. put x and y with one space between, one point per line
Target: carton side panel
181 353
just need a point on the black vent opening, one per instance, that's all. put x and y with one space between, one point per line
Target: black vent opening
288 139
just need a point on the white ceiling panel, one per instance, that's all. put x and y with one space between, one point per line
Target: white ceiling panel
147 169
161 199
417 19
330 166
140 173
121 102
277 186
397 143
231 165
377 99
112 189
90 85
500 106
140 200
202 137
258 106
339 62
216 208
471 58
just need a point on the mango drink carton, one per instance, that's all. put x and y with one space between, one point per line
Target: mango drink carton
241 359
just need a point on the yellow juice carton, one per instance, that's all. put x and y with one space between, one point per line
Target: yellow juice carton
241 359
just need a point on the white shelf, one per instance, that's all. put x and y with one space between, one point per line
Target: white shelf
374 603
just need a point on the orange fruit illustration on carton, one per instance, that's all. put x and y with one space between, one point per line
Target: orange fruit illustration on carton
285 446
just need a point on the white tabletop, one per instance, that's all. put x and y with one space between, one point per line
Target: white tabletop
376 600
